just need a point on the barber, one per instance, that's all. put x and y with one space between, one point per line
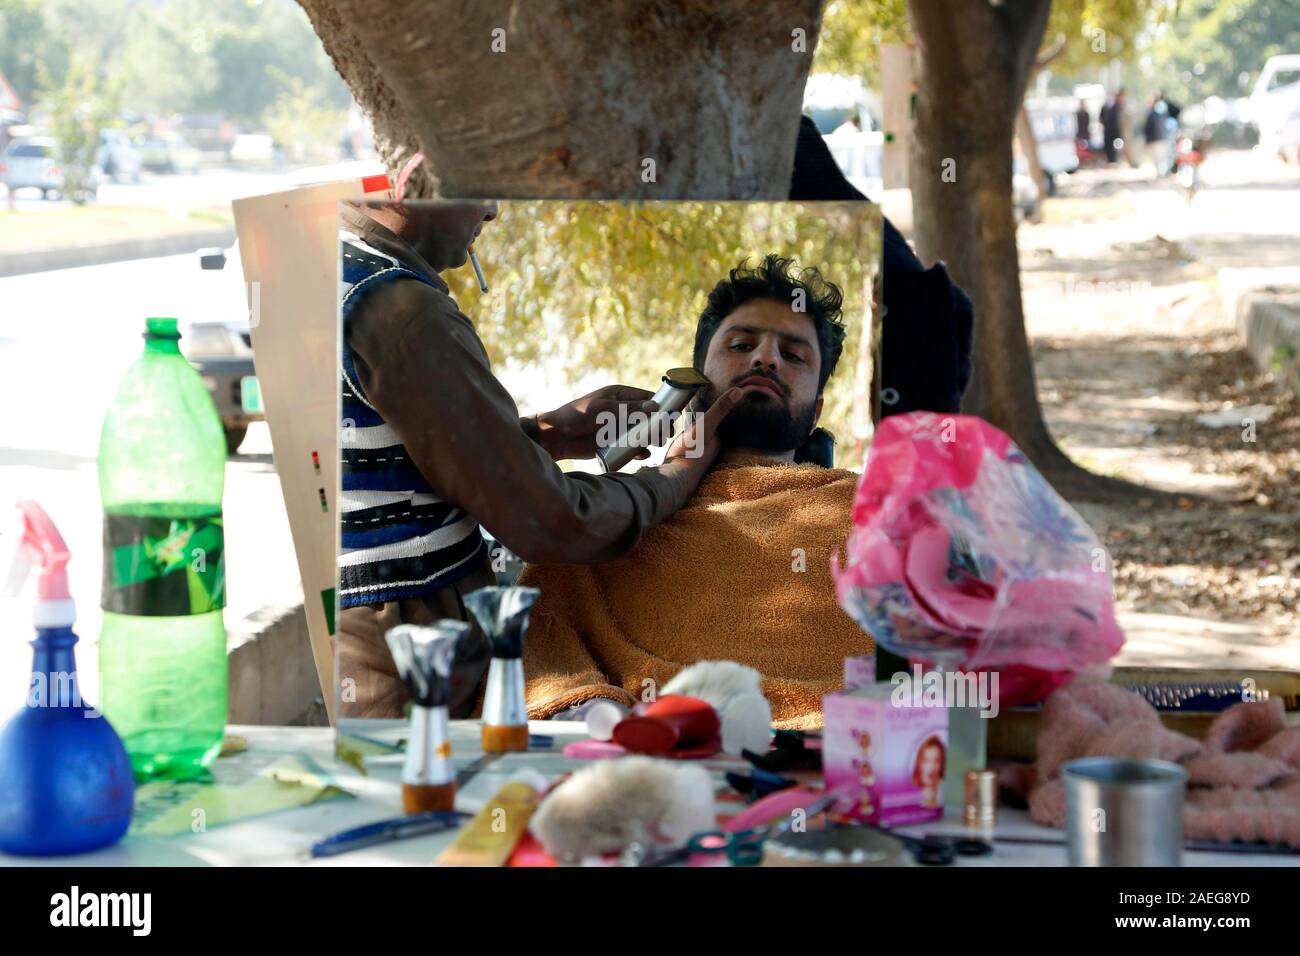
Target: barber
433 446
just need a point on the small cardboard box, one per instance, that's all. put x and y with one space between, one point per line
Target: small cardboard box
887 760
859 671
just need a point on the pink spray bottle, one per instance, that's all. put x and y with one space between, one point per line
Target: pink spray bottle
65 779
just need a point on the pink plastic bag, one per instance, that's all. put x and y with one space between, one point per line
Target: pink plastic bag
963 555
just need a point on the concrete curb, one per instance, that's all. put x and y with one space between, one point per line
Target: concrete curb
1270 324
272 675
68 257
1264 303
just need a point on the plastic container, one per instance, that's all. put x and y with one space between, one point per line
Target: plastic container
162 651
65 779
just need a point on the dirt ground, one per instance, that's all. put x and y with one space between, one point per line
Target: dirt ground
1131 343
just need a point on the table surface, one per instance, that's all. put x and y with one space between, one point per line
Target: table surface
284 838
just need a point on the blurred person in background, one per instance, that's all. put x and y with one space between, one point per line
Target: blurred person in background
1083 124
1112 125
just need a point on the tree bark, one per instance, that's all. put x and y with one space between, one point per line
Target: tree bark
1025 129
975 58
629 99
1029 148
394 139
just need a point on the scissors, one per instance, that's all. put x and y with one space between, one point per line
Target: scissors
934 849
742 847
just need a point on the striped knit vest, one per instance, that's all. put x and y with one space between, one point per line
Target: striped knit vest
398 538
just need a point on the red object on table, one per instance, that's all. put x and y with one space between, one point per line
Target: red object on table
530 852
607 749
672 722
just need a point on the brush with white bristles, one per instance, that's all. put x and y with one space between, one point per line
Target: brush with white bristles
736 693
611 804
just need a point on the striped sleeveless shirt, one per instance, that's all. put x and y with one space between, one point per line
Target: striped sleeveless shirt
398 538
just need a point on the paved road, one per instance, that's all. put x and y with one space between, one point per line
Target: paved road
1246 214
207 188
66 338
1099 289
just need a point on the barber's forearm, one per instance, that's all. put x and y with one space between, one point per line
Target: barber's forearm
430 380
651 496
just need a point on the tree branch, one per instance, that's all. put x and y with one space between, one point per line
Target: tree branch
1050 52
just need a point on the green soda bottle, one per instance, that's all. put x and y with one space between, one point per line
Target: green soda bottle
162 651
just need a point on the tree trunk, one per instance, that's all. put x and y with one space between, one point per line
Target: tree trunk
1025 129
975 58
1029 148
394 139
644 99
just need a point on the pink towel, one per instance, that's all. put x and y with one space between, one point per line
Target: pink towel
1243 779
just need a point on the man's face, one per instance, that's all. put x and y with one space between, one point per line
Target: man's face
771 352
443 233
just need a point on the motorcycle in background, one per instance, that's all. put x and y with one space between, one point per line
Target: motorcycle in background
1189 152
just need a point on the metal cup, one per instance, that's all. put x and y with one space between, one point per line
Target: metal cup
1124 812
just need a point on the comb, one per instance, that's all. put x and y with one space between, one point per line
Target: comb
1197 696
1208 690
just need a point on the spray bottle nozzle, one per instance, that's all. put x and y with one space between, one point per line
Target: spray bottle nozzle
41 545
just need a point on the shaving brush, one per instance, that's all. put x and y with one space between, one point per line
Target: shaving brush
424 657
611 804
503 615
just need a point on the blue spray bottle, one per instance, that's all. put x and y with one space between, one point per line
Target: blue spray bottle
65 779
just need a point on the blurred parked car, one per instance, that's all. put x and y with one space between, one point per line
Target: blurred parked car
1289 138
1054 127
117 157
1024 191
253 149
169 153
34 163
1275 97
221 349
844 110
830 99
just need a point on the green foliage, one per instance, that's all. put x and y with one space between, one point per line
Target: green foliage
612 289
1208 44
1083 35
301 121
851 32
1090 32
166 63
78 109
257 51
25 45
173 56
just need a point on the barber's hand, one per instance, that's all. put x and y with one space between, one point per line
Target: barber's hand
694 451
570 431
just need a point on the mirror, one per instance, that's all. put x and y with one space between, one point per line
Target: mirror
582 295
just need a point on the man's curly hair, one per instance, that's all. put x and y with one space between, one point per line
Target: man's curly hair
779 279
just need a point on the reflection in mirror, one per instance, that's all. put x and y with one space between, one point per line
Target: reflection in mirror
685 507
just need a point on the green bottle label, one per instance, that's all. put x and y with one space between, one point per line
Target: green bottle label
163 567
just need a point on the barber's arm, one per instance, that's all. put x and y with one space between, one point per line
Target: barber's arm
422 366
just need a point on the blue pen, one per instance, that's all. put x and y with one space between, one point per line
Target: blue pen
385 831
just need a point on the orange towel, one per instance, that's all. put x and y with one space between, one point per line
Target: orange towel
741 573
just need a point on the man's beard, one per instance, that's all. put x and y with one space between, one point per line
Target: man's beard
767 424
